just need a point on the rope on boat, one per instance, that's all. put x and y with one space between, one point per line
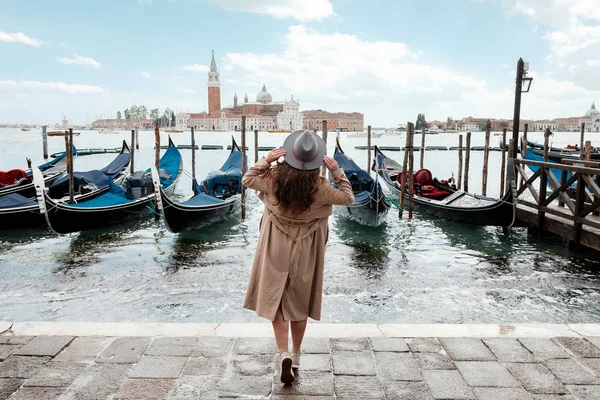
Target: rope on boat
150 207
394 202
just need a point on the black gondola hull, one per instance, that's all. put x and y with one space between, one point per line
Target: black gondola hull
369 212
180 218
22 218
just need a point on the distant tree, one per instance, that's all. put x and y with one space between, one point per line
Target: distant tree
154 113
118 114
421 122
173 119
142 112
449 120
126 112
133 112
440 126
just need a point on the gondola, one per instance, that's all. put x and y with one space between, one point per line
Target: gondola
93 180
214 200
370 205
442 200
20 181
556 154
19 212
121 203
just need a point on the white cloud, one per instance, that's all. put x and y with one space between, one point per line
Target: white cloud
189 91
19 37
301 10
322 71
145 75
593 63
80 60
573 68
49 87
196 68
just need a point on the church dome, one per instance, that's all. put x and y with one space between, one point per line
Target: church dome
592 112
263 96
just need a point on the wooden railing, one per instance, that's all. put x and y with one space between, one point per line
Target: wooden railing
576 204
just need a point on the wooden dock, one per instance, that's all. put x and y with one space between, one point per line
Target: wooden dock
569 209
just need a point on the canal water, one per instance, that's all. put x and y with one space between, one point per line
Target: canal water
418 271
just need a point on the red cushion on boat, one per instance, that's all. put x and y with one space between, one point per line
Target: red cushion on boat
13 176
423 177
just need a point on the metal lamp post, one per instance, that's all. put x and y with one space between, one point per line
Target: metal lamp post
522 85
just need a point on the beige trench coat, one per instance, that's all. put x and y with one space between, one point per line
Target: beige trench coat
290 254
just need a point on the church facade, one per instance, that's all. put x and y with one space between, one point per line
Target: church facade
591 119
262 114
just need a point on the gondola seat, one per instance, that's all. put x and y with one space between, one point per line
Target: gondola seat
13 176
423 186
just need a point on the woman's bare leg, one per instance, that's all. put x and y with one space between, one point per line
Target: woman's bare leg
281 330
298 329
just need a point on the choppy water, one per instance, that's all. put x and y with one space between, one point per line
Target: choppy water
419 271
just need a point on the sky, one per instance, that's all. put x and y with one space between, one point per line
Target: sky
388 59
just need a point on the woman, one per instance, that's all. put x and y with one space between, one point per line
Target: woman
286 282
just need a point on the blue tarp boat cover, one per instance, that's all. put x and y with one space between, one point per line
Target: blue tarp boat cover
360 179
97 177
227 181
15 201
202 199
170 163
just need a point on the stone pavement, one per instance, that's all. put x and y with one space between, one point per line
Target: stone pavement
41 367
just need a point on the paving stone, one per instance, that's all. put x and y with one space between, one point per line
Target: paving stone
486 373
19 339
398 366
171 346
467 349
536 378
434 361
553 397
509 350
593 364
38 393
158 367
212 346
6 350
315 346
83 349
585 392
195 387
570 373
447 384
56 374
307 383
483 393
357 387
148 389
252 365
595 340
424 345
8 386
350 344
199 366
44 346
4 339
245 386
98 381
389 344
255 346
579 346
21 366
124 350
407 390
543 348
300 397
353 363
315 362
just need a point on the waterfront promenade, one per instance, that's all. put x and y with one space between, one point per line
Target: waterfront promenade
341 361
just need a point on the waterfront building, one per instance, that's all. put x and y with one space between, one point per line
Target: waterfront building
591 119
119 124
342 121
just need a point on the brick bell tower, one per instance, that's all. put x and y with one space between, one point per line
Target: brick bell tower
214 87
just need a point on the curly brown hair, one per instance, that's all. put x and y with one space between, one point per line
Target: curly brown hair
294 189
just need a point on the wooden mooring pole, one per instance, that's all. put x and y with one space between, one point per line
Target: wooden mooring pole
71 176
325 131
503 163
45 141
467 160
460 161
131 163
255 146
193 142
137 139
543 187
523 151
407 149
486 155
368 148
588 150
422 155
243 166
581 138
157 148
411 161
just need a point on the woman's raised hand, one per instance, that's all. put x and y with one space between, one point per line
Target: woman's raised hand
330 163
274 155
